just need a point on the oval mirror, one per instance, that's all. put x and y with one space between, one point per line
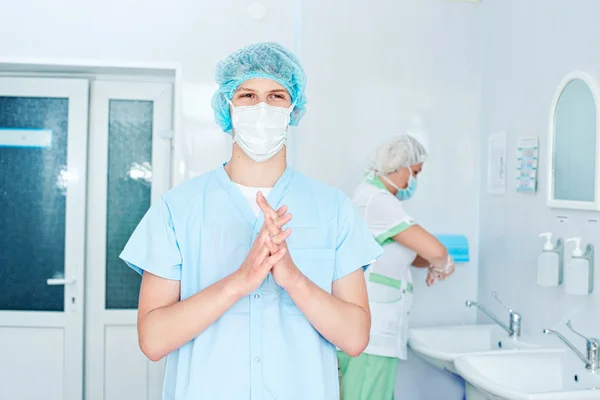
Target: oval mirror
573 142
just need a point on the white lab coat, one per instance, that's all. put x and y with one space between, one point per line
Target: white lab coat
389 280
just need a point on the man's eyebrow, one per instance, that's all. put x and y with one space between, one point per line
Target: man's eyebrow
244 89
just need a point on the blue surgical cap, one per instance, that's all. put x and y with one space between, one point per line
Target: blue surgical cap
260 60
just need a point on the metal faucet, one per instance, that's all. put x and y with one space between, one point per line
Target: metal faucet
514 323
592 360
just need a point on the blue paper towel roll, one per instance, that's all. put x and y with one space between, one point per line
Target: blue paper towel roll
457 245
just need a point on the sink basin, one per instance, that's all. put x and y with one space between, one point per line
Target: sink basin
540 374
442 345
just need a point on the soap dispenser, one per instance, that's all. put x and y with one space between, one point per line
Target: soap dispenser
579 273
550 268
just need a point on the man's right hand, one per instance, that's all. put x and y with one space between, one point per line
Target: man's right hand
261 259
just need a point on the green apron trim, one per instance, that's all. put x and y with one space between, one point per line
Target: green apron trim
375 181
387 236
391 282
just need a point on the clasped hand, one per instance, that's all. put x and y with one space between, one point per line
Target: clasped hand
439 274
269 252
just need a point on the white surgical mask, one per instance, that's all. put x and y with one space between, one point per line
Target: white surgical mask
260 130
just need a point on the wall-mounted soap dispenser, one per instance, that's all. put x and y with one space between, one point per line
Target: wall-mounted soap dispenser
579 272
550 263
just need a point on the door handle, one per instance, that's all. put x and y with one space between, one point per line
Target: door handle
59 282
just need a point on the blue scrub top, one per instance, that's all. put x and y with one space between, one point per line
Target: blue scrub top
262 348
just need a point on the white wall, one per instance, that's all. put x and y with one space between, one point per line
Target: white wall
530 46
369 68
370 65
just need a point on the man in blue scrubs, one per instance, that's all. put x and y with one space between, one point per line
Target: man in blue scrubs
252 272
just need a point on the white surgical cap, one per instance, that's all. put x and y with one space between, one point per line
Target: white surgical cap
400 152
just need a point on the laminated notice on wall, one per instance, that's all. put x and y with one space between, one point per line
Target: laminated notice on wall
527 163
497 163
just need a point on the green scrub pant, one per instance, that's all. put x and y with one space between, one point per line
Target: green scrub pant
367 377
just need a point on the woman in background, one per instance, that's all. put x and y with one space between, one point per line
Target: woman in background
392 180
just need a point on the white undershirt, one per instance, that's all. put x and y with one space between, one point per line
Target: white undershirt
250 195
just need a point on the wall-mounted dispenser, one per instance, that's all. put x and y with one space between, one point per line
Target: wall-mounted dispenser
550 262
579 272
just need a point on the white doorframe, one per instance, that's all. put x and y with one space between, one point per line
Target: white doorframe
98 319
71 320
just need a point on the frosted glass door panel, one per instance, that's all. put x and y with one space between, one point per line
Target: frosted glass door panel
128 190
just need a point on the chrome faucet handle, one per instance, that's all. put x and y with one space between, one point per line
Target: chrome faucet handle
592 356
501 303
591 342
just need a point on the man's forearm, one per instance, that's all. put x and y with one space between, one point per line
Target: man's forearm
166 329
345 325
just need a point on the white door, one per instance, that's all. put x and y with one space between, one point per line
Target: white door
43 134
129 167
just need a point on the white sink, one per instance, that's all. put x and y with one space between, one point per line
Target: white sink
442 345
541 374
